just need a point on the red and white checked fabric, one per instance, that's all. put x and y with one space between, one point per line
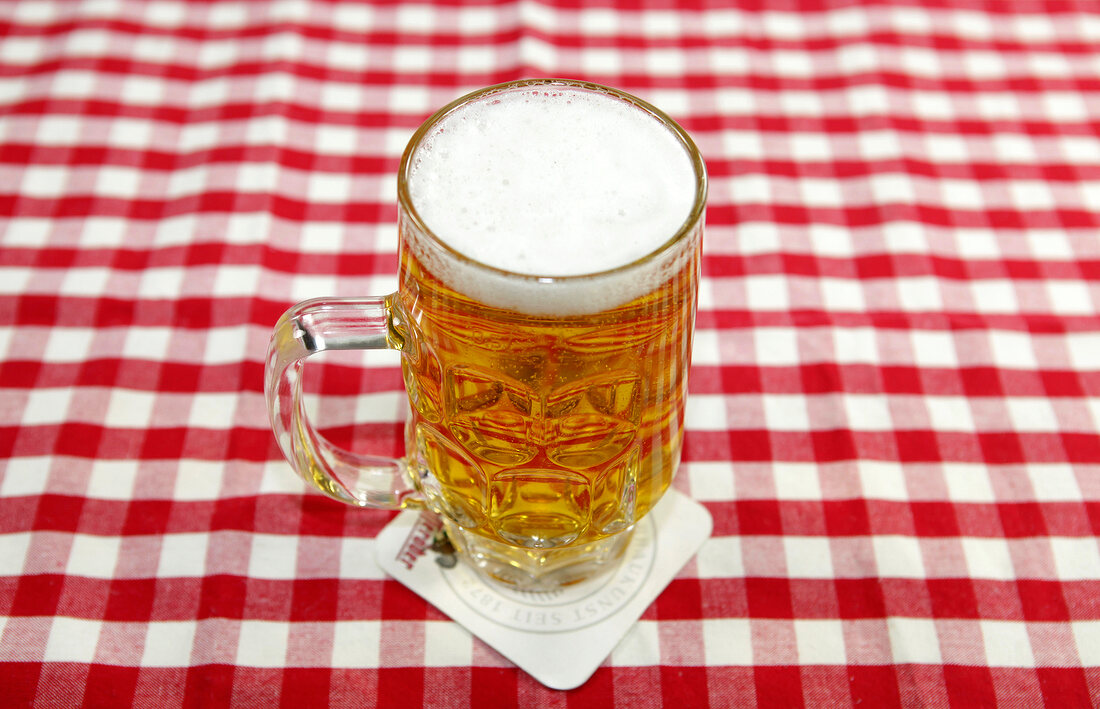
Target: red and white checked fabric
894 407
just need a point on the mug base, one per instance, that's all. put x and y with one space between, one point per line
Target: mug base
538 570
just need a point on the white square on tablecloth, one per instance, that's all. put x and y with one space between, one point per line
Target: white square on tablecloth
1083 350
913 641
994 296
103 232
69 344
28 476
949 413
25 51
262 643
1075 558
808 557
236 280
44 181
820 641
410 99
338 96
325 238
882 480
855 345
1031 195
825 193
705 348
1007 643
347 55
968 483
217 54
46 406
131 133
112 479
792 63
1086 635
306 286
786 412
128 408
1070 297
273 556
1080 150
727 641
447 644
988 558
147 343
118 181
776 347
832 241
356 644
720 557
225 345
183 555
796 481
897 556
1012 350
199 480
602 60
336 139
1054 482
867 100
747 145
329 187
142 90
35 13
168 643
13 551
93 556
974 244
413 58
867 412
214 410
72 640
357 558
705 413
893 188
1032 414
709 480
165 13
352 16
253 177
1069 107
1013 147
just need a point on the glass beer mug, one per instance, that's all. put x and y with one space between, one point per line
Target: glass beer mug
550 236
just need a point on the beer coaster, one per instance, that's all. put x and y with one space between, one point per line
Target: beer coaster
558 637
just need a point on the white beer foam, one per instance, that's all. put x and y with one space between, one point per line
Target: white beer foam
547 182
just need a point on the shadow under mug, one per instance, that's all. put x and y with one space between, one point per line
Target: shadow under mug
542 425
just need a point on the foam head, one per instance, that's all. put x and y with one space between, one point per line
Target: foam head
548 181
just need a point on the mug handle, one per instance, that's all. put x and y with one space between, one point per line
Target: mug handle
333 324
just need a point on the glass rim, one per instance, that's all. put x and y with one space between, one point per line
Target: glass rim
685 230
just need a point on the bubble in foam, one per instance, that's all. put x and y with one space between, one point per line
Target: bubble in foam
551 183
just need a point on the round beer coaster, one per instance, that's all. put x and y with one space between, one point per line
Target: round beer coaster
560 637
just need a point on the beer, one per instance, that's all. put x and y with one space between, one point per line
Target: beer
545 312
548 271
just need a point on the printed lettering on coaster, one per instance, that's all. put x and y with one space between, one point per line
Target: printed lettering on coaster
559 637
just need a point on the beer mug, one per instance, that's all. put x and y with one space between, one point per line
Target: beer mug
549 252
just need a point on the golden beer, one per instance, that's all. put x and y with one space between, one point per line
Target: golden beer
549 250
538 431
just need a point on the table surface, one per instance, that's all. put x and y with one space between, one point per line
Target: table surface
893 414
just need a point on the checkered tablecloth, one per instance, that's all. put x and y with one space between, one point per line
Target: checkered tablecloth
894 400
